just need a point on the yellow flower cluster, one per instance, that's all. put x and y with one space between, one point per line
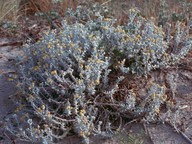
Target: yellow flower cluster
97 82
99 61
138 38
119 30
69 108
36 68
39 110
54 72
103 27
82 112
107 19
48 114
49 45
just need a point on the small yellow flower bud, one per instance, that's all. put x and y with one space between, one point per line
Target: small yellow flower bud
43 107
54 72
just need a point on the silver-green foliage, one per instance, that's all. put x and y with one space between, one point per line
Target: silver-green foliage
66 79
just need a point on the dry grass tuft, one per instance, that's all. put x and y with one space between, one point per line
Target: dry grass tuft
45 6
9 9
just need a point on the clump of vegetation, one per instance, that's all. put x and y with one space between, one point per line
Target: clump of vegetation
8 10
69 80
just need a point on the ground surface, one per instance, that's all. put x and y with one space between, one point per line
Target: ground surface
133 133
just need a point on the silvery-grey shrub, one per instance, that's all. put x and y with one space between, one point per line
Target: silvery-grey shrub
70 78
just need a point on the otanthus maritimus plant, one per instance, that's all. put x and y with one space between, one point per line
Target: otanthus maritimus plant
71 77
